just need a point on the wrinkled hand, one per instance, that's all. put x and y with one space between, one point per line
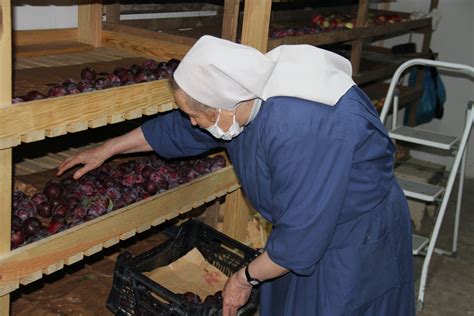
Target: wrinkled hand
91 159
236 293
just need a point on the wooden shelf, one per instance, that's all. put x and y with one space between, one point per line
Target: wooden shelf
378 90
29 263
370 32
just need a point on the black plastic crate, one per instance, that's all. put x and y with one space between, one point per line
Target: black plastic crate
133 293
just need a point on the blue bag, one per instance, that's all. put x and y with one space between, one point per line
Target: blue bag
434 96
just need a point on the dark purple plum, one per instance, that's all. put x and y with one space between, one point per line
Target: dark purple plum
85 86
78 212
16 100
56 227
57 91
114 80
172 64
140 76
88 74
39 198
136 69
59 219
150 187
150 64
32 226
16 221
101 83
147 171
61 209
52 190
17 237
45 209
192 298
34 95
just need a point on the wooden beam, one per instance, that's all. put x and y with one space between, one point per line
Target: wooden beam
89 21
230 20
211 217
256 23
356 52
112 13
236 213
144 46
5 154
33 37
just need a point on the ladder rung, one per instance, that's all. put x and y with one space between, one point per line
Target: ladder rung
419 243
422 137
419 190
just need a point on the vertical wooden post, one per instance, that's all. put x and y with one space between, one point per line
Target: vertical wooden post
112 13
5 154
256 23
230 20
212 214
356 52
236 213
89 22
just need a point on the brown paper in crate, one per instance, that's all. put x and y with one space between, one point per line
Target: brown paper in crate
190 273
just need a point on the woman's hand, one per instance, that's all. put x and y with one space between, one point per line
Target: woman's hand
91 159
236 293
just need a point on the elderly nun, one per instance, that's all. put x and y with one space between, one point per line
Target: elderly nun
312 157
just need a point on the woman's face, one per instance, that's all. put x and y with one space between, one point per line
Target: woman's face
202 119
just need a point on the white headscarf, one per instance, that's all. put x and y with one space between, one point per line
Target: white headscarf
221 74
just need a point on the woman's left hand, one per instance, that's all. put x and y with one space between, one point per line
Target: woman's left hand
236 293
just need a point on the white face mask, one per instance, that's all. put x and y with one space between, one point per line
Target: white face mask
234 130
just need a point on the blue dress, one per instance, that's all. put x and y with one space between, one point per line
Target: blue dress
323 176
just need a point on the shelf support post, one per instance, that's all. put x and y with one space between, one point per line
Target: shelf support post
89 21
112 13
236 213
230 20
256 23
5 154
356 52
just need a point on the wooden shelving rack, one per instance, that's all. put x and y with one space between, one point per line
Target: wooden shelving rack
34 121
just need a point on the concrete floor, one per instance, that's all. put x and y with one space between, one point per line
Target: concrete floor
450 288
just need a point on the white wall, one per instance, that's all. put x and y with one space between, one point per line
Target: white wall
454 42
27 17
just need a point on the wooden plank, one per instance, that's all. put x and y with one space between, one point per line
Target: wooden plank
5 154
372 31
54 113
33 136
142 33
35 276
128 234
144 46
236 212
53 267
5 305
89 21
73 242
74 258
256 23
212 214
32 37
93 250
361 21
230 20
53 48
112 12
143 228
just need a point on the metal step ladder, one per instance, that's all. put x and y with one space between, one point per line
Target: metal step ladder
427 192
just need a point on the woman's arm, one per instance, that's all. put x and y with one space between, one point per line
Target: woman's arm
131 142
237 290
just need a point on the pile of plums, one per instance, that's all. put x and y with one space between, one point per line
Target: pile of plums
67 203
210 300
334 22
150 70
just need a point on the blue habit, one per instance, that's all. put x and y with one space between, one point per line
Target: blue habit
322 175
